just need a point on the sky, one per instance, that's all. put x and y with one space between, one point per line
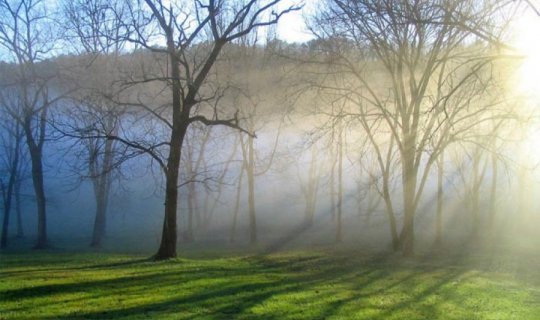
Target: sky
291 27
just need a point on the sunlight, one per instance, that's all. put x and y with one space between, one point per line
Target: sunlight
526 41
292 27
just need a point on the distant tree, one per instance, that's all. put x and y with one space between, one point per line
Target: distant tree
255 162
383 179
337 148
310 183
92 29
253 69
219 172
27 37
193 161
440 200
434 57
321 173
478 154
11 166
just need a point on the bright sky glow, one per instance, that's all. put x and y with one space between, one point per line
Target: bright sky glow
292 27
527 42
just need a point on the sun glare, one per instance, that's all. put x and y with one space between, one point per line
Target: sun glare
527 42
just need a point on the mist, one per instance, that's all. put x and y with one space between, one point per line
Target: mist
333 135
295 153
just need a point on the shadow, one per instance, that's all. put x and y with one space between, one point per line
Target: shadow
288 238
233 298
275 286
120 264
60 262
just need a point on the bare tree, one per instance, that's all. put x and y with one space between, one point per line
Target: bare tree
440 200
11 139
92 28
337 141
193 160
310 184
263 114
191 36
255 163
27 37
435 61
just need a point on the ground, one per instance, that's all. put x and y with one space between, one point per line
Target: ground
314 284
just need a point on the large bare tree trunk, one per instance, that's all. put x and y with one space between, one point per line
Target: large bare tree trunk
409 192
180 116
39 189
36 157
391 215
99 221
167 248
225 26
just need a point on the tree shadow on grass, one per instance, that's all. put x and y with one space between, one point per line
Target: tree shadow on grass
293 234
60 262
267 287
227 300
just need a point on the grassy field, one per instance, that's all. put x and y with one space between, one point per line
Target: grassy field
290 285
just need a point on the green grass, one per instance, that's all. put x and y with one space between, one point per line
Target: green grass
289 285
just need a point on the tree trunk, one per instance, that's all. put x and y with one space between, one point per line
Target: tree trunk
167 248
339 231
100 219
478 176
408 224
391 217
409 192
196 210
440 195
20 231
251 190
493 192
7 209
37 179
8 194
333 185
180 123
385 168
237 204
188 234
309 211
99 223
311 189
102 183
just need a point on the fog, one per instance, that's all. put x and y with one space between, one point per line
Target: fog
135 209
333 141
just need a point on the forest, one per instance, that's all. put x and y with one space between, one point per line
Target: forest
190 159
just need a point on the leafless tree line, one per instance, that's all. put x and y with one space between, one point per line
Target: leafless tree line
397 88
